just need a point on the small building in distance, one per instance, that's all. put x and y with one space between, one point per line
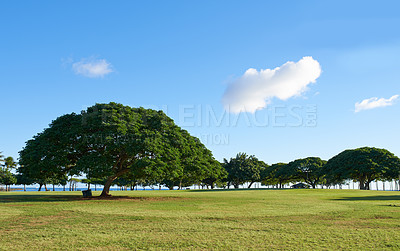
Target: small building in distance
300 185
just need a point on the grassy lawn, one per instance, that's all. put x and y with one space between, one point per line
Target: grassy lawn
240 219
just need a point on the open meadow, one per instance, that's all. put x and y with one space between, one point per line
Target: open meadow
195 219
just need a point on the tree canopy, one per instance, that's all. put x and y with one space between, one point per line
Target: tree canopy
363 165
309 170
243 168
111 140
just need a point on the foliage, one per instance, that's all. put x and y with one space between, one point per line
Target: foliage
6 177
9 163
309 170
363 165
111 140
24 180
243 168
51 153
277 174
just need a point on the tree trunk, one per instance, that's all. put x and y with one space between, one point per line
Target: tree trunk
88 187
251 183
362 183
53 188
40 187
107 185
24 187
45 187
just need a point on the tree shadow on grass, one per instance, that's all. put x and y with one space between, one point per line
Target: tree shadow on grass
37 198
60 198
53 198
378 198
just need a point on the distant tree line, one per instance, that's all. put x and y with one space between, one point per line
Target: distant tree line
111 144
362 165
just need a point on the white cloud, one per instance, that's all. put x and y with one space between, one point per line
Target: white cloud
255 89
374 102
92 68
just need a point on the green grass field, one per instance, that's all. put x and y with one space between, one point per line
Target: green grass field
233 220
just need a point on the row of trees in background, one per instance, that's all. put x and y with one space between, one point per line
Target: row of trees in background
362 165
116 144
8 178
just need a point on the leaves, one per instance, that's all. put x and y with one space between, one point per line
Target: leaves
243 168
109 140
363 165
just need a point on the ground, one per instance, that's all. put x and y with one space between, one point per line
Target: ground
233 220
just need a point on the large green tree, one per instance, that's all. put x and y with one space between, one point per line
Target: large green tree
7 178
112 140
277 174
309 170
362 165
216 175
243 168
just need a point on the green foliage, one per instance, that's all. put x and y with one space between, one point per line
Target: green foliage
6 177
310 170
363 165
216 175
9 163
243 168
51 154
277 174
24 180
108 141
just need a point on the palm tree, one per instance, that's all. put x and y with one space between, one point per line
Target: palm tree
9 163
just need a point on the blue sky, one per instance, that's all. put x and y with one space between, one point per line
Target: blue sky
181 56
